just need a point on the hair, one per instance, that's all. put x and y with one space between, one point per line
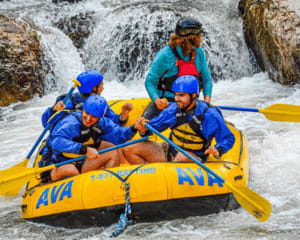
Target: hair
186 43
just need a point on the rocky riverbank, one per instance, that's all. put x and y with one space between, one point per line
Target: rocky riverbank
272 31
20 62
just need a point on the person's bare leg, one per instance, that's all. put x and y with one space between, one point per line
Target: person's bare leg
143 152
63 171
122 156
182 158
107 160
112 156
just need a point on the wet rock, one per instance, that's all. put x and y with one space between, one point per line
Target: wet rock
78 27
272 31
20 62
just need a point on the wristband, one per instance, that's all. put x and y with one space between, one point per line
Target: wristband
122 121
83 149
221 151
133 129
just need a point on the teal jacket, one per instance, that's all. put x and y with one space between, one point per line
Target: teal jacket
166 60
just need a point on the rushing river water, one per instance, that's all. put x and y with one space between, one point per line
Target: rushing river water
274 147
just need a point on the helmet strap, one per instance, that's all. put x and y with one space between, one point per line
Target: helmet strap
189 107
84 96
95 91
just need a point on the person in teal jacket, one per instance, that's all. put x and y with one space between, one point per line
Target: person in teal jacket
194 124
83 133
91 83
182 56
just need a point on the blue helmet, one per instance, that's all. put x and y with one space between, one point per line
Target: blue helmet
186 84
95 105
88 80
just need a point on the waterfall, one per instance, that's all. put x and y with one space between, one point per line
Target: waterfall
120 39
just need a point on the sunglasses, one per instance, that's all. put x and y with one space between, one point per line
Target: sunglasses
188 31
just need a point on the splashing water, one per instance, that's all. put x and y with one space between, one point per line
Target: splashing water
122 45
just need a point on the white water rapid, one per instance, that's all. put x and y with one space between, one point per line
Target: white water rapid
274 147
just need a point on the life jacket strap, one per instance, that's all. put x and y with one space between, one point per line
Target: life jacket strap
184 68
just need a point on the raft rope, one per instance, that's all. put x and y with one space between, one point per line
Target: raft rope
123 220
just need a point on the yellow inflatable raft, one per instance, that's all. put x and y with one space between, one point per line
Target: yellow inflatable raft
158 191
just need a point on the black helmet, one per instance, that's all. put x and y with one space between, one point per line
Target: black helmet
188 26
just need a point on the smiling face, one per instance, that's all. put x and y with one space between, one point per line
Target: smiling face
183 100
88 120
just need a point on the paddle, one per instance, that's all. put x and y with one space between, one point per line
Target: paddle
276 112
49 124
255 204
13 179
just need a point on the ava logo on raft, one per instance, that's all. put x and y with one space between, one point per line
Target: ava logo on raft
197 177
57 193
185 175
